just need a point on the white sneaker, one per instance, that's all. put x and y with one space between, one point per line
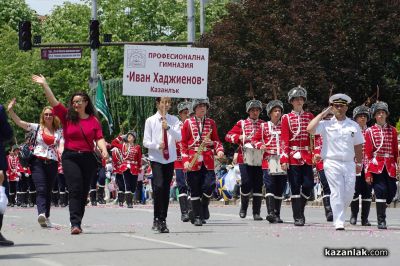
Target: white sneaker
48 223
42 220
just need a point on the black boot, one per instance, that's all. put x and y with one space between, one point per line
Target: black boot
18 200
257 208
244 204
92 196
55 198
270 202
205 201
354 211
365 207
129 199
381 214
32 198
63 199
183 202
4 241
24 199
328 209
190 210
196 205
100 195
297 216
121 198
278 204
11 200
303 207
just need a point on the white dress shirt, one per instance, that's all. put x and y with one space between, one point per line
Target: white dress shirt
3 200
339 139
153 137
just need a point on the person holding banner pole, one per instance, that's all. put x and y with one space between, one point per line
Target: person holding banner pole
161 133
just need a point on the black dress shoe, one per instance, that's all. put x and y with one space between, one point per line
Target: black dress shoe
162 227
155 225
257 217
198 221
185 217
5 242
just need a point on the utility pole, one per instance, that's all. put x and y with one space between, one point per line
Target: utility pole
190 21
202 16
93 55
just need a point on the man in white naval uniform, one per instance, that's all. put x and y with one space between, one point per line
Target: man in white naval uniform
341 153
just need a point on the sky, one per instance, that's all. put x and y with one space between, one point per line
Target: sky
44 7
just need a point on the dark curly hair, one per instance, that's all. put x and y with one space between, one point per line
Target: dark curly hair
72 115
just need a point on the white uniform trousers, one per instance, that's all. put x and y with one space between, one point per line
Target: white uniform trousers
341 177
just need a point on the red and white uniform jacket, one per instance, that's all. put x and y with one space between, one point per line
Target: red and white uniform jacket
25 171
245 128
117 160
14 168
193 133
178 164
381 149
365 161
319 165
295 138
131 156
269 135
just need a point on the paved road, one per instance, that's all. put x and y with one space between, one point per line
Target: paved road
121 236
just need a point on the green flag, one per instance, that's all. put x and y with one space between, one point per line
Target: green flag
101 105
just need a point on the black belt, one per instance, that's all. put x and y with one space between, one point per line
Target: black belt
74 151
46 161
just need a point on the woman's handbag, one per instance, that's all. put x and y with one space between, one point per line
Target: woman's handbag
96 153
25 153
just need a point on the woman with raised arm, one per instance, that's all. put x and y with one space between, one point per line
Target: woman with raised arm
44 164
82 130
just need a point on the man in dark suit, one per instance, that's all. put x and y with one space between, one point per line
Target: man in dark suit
6 133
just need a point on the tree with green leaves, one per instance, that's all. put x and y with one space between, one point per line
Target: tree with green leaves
264 46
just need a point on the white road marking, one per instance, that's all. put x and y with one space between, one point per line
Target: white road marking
47 262
215 252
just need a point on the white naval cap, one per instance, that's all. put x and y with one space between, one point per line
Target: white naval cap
340 98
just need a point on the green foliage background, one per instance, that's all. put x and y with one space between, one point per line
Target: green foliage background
126 20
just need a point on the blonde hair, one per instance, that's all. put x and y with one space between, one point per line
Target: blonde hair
56 121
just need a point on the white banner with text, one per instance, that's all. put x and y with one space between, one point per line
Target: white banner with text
163 71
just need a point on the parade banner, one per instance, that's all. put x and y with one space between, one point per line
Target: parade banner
162 71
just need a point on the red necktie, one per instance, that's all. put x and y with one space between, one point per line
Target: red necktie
165 150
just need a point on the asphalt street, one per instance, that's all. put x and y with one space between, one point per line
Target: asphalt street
121 236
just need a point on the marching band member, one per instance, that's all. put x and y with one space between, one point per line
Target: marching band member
381 152
361 114
131 164
199 142
268 138
251 176
13 175
183 111
161 133
341 152
297 157
117 160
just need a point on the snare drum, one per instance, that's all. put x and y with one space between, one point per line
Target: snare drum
274 166
252 157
